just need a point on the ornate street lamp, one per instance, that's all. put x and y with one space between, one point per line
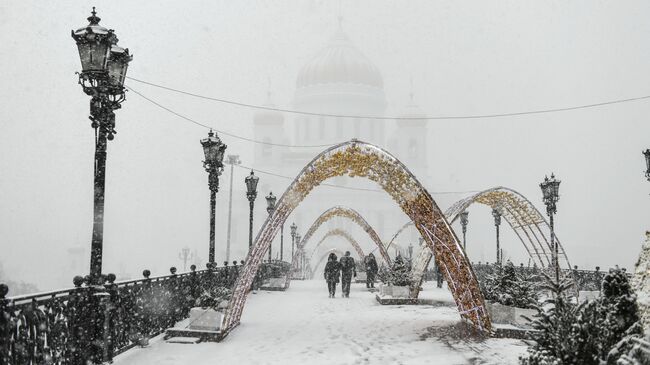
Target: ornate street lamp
251 193
231 160
646 153
463 222
270 207
103 69
213 150
551 195
293 228
496 213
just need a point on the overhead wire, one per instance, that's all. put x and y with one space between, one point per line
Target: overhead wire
377 117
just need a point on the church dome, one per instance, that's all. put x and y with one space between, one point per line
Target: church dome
340 62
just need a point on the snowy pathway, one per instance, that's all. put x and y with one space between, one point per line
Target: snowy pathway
304 326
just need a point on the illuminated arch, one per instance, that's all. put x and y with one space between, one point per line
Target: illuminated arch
526 221
351 214
356 158
338 252
337 232
399 231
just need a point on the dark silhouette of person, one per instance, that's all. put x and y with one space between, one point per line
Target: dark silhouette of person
348 268
332 272
371 270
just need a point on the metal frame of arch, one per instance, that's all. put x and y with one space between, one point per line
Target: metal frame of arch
340 233
351 214
526 221
361 159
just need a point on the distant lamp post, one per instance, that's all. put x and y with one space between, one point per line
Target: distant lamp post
294 229
410 251
646 153
496 213
251 193
231 160
103 69
270 207
213 150
551 195
463 222
301 253
185 255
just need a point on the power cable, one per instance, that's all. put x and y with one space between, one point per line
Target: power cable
442 117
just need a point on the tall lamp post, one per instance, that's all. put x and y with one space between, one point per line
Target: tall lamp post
251 193
270 207
551 195
646 153
185 255
301 253
463 222
294 229
103 69
231 160
496 213
213 150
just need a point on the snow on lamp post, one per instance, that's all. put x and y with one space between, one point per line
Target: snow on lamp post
463 222
103 69
646 153
251 193
496 213
213 150
270 207
551 195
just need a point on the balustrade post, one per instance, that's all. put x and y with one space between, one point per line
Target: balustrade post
5 323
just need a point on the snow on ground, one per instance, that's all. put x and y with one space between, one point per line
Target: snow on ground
304 326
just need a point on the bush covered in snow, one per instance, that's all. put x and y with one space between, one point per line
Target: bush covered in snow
399 274
597 332
214 298
507 287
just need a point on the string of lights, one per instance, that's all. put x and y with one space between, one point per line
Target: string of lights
440 117
347 187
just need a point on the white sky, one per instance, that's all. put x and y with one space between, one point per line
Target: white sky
467 57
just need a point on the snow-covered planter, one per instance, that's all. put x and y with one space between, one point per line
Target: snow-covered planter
205 319
506 314
395 291
385 290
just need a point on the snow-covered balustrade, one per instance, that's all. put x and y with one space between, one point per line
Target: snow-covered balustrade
91 324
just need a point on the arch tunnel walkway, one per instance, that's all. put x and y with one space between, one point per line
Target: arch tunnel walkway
304 326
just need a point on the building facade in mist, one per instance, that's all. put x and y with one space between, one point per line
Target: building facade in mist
340 80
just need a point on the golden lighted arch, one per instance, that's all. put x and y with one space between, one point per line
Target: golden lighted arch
354 216
528 223
360 159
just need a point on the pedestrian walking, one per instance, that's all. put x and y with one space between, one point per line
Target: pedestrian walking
371 270
332 273
348 268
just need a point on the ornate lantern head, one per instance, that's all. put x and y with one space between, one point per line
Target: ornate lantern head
270 202
213 149
251 186
646 153
464 219
117 64
496 213
551 193
294 228
94 44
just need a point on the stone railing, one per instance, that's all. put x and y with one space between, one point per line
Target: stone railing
92 323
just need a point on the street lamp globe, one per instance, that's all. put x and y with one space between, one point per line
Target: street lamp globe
251 185
213 149
496 213
294 229
646 153
270 202
94 43
464 219
117 64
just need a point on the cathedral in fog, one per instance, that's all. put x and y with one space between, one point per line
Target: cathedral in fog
340 80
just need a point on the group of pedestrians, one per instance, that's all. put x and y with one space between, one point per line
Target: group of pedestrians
345 269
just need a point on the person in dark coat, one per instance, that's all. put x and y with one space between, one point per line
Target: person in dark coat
348 268
332 272
371 270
